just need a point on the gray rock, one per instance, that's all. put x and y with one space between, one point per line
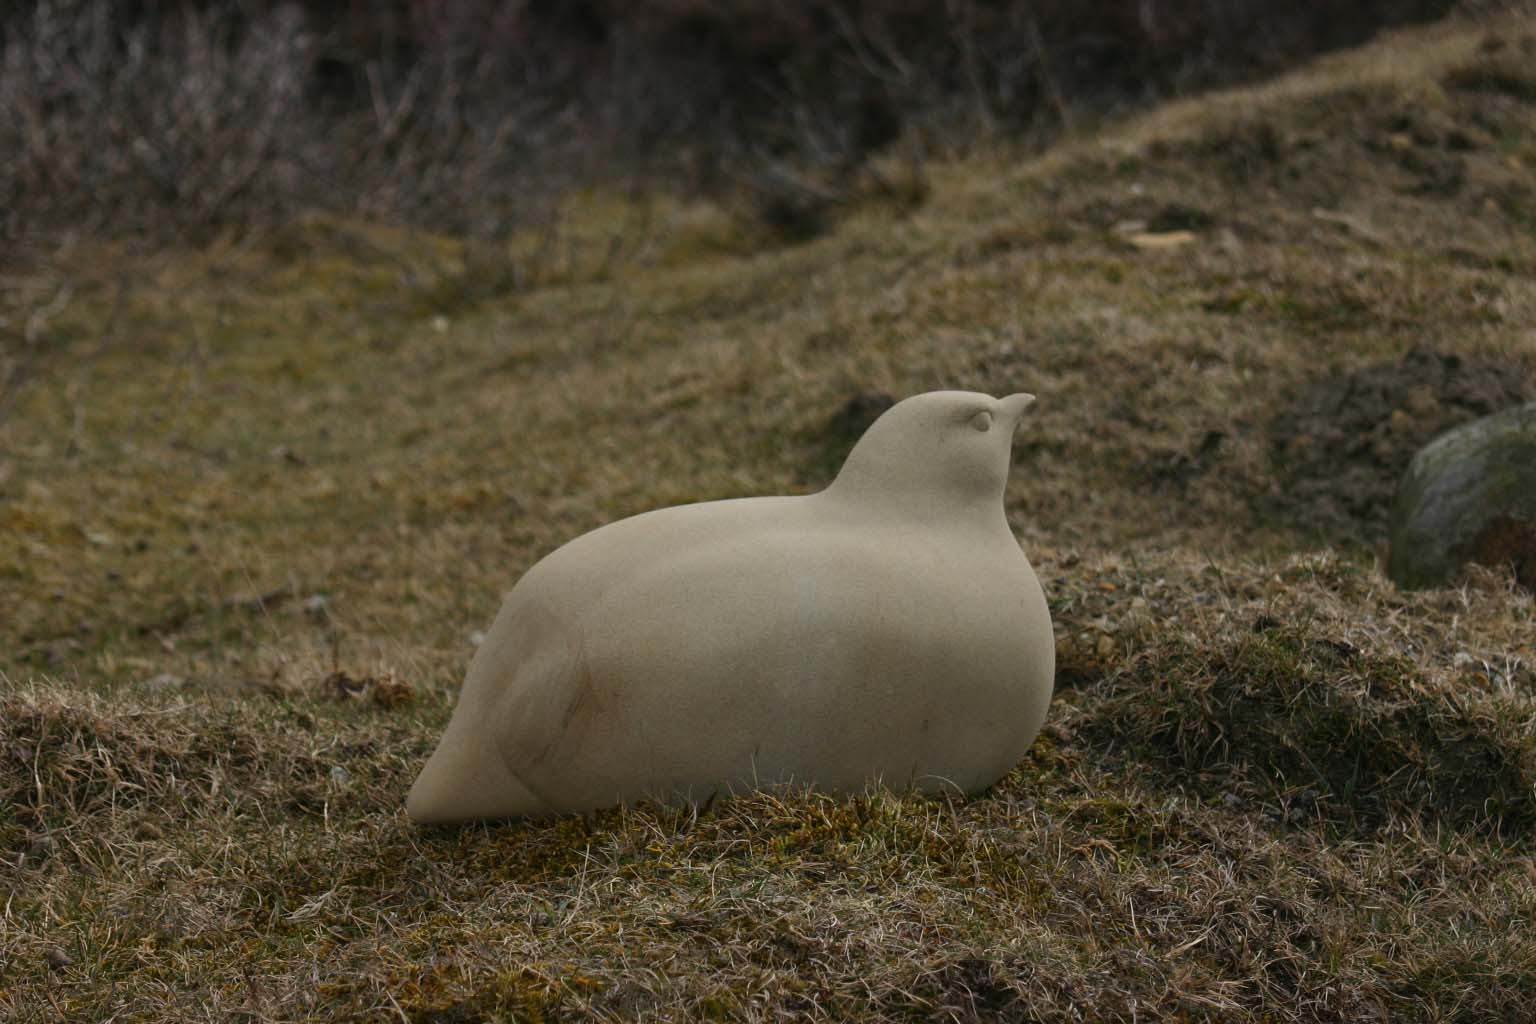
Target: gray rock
1468 496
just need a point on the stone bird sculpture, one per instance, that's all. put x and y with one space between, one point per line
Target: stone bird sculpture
886 630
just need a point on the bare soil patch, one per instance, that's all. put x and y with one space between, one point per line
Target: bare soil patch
1341 440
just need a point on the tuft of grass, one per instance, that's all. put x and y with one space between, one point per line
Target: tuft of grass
1500 73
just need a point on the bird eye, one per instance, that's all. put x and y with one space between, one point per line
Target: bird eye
982 421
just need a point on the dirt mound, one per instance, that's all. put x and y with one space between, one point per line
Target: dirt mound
1340 441
1356 735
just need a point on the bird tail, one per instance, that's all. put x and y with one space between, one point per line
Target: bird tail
465 780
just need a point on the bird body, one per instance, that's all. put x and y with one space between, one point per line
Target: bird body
837 639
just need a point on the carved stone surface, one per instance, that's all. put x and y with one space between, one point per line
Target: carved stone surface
885 630
1468 496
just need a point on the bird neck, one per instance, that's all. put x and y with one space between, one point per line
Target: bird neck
900 489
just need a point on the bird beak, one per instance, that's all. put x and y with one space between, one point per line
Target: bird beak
1014 405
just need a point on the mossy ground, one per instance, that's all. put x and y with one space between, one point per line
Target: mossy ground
256 501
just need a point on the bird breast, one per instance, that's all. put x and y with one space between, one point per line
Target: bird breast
686 640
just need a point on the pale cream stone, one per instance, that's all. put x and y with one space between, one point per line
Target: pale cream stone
885 630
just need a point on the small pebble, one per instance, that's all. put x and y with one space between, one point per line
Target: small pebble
162 682
40 848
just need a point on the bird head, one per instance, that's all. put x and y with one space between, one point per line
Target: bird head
937 451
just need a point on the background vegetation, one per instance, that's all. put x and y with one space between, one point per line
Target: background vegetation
278 431
124 118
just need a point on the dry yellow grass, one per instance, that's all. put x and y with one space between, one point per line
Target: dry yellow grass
256 501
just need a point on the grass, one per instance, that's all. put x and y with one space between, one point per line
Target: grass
255 502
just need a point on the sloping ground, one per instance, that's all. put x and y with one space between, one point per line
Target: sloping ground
254 505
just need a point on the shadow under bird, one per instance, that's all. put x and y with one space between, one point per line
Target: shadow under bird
886 630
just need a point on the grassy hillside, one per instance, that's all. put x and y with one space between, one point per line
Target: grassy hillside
256 501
